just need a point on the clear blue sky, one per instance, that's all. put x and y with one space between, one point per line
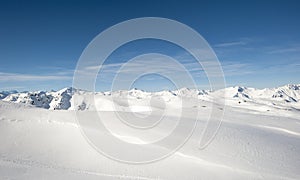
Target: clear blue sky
257 42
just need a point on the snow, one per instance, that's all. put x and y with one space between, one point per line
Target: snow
259 137
282 97
47 100
3 94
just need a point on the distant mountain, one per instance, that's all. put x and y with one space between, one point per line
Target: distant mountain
287 93
48 100
62 99
3 94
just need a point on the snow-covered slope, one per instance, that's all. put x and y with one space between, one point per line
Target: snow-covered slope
251 143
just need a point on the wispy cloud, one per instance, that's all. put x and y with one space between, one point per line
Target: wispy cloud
160 65
229 44
8 88
285 50
237 69
155 64
30 77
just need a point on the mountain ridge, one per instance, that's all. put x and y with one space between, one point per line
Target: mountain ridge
62 99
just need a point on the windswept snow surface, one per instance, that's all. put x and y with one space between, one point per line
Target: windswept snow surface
259 137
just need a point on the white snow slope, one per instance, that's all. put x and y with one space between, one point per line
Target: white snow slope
259 137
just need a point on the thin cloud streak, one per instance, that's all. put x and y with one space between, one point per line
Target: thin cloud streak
229 44
31 77
110 70
285 50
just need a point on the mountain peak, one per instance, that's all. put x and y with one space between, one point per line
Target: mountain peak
61 99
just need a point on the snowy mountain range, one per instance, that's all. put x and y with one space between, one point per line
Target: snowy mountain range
49 100
62 99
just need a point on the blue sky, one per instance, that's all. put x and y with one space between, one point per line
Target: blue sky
257 42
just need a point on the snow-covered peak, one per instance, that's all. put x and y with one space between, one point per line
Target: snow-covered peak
137 93
186 92
289 93
166 93
49 100
61 99
292 86
203 92
234 92
3 94
241 92
37 98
